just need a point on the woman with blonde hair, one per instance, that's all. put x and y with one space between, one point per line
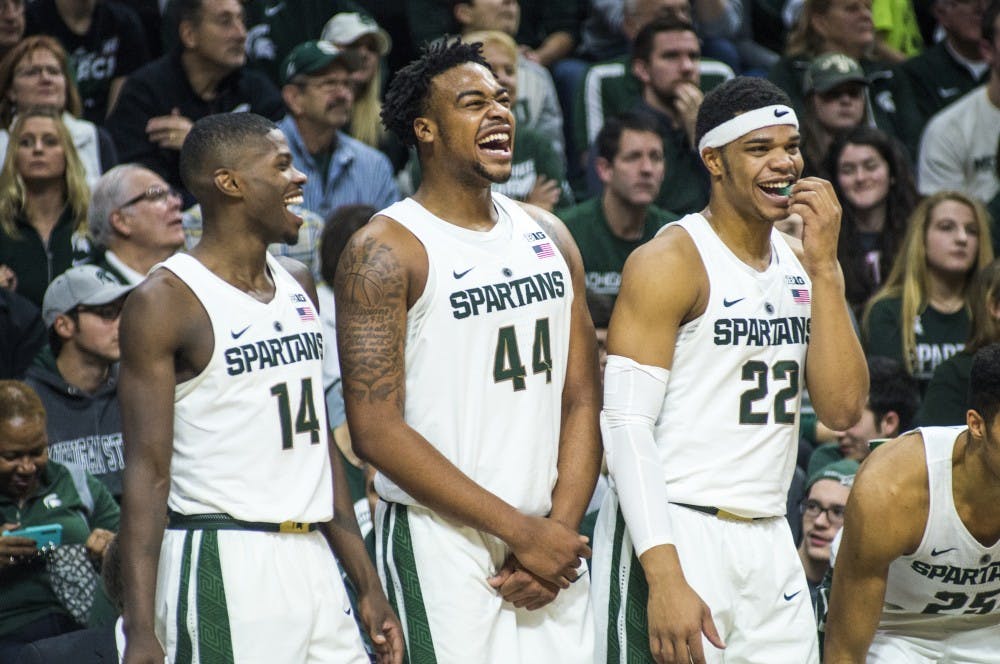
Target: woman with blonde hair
36 72
920 316
946 400
43 202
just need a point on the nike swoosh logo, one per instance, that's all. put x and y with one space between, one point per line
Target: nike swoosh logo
237 335
780 114
935 552
789 598
273 9
459 275
729 303
347 611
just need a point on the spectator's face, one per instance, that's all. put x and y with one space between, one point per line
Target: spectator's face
11 23
952 239
218 35
818 530
961 19
841 108
863 176
504 65
636 173
40 154
96 332
673 61
365 50
38 81
847 26
23 454
324 98
853 442
502 15
153 222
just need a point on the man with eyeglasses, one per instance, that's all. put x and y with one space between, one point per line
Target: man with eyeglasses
917 575
135 219
822 517
316 87
77 377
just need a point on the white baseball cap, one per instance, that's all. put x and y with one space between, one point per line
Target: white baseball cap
347 27
84 284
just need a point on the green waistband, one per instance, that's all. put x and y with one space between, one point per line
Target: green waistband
177 521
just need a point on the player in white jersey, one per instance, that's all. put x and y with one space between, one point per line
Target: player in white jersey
917 576
470 379
720 322
226 436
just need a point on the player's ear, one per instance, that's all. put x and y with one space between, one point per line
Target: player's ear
976 424
712 158
225 181
888 426
424 129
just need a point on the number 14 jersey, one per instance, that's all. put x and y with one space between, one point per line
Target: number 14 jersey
486 349
727 433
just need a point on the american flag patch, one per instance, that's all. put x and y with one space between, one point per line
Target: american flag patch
544 250
305 313
800 295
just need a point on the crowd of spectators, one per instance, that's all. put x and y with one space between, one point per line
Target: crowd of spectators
899 107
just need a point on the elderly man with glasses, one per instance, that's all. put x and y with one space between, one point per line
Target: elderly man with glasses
135 220
77 376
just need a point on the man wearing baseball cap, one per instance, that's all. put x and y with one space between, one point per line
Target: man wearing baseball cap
823 516
77 377
831 70
316 87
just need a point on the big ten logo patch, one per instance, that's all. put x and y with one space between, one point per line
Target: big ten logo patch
99 66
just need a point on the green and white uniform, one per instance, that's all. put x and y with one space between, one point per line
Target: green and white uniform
250 442
726 437
486 350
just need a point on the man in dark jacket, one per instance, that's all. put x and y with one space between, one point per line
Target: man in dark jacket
78 380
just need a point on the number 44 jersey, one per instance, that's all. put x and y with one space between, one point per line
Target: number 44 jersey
727 433
250 431
486 349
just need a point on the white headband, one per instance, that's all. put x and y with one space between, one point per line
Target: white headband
744 123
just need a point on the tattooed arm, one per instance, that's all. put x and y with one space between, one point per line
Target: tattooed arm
381 273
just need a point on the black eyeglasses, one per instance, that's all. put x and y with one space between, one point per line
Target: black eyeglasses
154 194
109 312
813 508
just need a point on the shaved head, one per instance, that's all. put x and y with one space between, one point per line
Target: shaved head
224 140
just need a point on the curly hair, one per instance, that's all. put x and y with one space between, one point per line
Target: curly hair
735 96
406 98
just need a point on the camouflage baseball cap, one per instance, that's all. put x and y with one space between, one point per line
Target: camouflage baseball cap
829 70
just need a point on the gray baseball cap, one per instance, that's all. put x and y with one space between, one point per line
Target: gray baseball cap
347 27
85 284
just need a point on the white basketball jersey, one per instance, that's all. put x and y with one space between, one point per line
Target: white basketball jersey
250 432
951 582
727 433
486 349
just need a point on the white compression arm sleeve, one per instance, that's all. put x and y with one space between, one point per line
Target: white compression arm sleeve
633 396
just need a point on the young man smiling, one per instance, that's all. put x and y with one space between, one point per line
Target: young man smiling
701 401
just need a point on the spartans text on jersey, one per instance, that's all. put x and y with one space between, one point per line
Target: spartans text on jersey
507 294
274 352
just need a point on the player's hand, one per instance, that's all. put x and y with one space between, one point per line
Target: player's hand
687 101
520 587
143 650
677 618
382 626
545 194
14 550
550 550
814 200
168 131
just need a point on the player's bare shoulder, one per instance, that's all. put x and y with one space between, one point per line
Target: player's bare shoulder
667 271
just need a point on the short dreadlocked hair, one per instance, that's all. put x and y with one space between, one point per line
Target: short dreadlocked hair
735 96
406 99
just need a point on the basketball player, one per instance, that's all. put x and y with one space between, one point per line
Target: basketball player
923 586
720 322
469 368
226 435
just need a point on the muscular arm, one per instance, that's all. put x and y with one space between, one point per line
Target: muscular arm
151 335
836 372
373 292
888 477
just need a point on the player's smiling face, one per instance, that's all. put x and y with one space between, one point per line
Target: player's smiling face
757 167
471 127
272 184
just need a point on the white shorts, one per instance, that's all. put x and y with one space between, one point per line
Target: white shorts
435 575
748 573
969 646
248 597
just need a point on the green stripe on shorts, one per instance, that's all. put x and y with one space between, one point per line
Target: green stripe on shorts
215 643
635 611
184 652
420 645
